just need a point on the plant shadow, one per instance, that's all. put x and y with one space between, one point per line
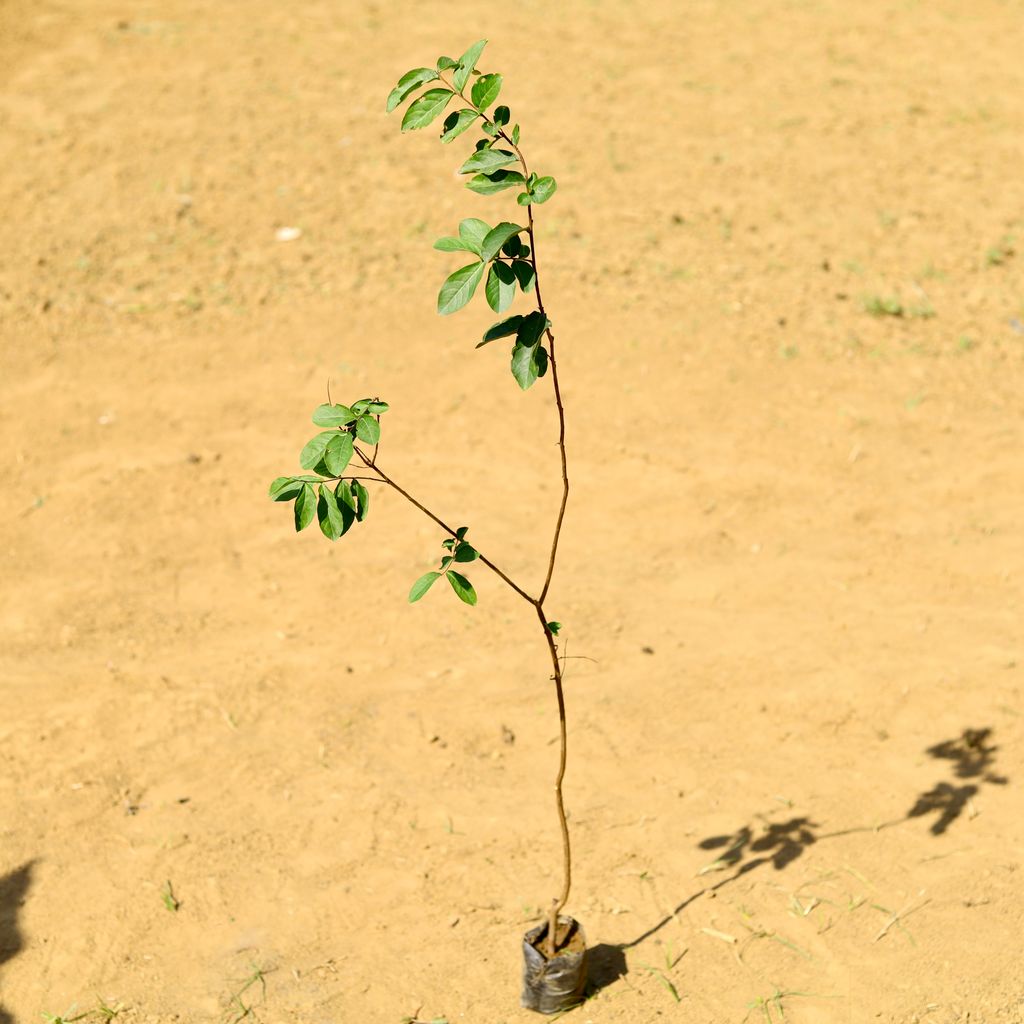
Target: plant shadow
780 843
973 758
13 888
605 965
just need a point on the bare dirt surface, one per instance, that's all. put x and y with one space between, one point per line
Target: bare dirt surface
792 566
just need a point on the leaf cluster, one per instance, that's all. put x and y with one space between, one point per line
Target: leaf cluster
328 455
457 550
488 165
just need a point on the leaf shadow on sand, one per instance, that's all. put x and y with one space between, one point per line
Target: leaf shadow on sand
13 888
780 843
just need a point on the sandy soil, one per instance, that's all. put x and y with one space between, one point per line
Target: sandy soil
792 566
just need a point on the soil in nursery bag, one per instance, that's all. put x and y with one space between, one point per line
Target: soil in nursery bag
555 984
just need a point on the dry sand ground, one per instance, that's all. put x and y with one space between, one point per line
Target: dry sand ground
793 552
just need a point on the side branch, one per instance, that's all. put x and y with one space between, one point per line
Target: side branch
444 526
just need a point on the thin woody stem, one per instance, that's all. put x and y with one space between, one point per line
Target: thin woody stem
444 526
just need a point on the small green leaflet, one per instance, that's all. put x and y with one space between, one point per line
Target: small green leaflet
501 116
422 585
450 244
515 135
513 246
343 492
284 488
544 189
496 238
554 627
368 429
338 453
369 405
500 289
333 521
314 450
528 364
502 329
461 532
467 62
444 63
465 552
305 507
462 587
457 290
425 109
487 160
362 496
407 83
496 181
332 415
531 329
473 231
485 91
524 274
456 123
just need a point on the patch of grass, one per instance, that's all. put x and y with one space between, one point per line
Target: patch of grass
893 305
171 902
102 1011
1000 254
769 1005
237 1005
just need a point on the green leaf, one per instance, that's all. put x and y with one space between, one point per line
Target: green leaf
554 627
456 123
528 364
368 429
422 585
515 135
461 532
338 453
502 329
448 544
473 231
332 415
346 499
445 562
467 62
410 81
544 189
490 128
305 507
362 496
465 552
459 288
523 199
497 237
284 488
462 587
524 274
485 91
501 286
496 181
487 160
314 450
450 244
501 115
513 247
444 63
531 329
332 522
373 405
425 109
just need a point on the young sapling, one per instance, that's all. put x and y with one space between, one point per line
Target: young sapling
344 456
